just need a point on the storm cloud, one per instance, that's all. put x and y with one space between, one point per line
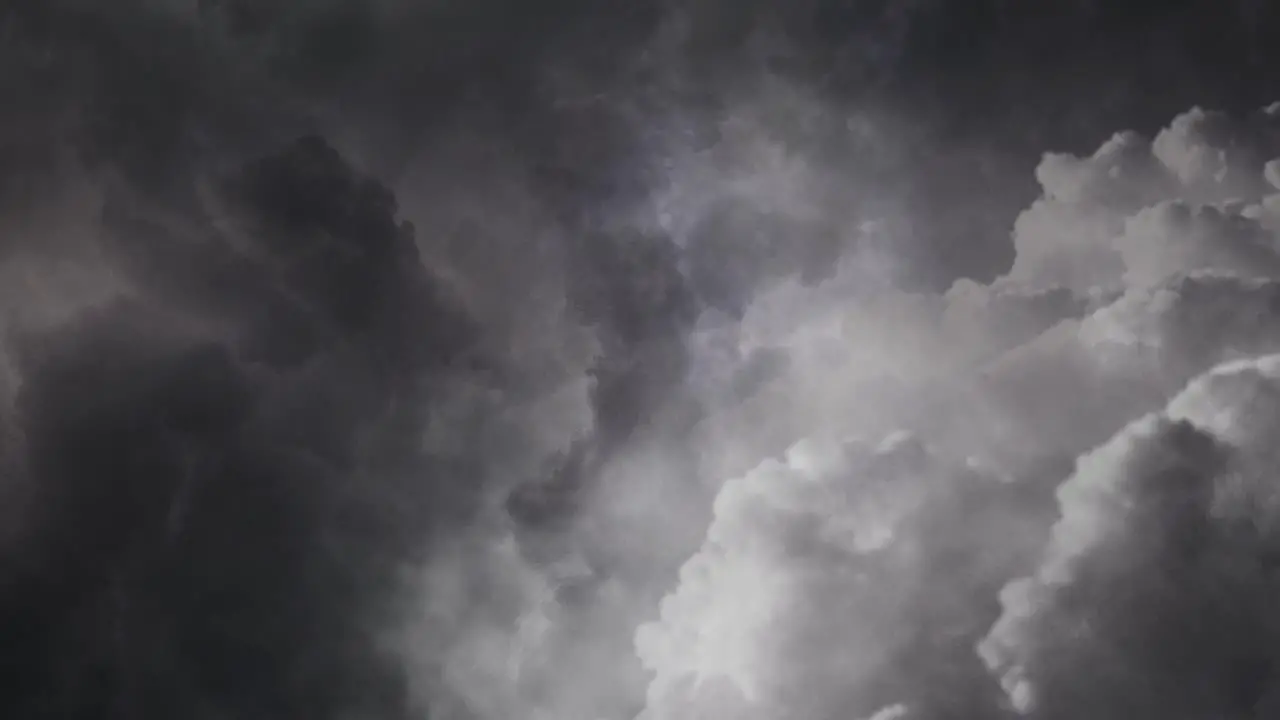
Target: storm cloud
401 359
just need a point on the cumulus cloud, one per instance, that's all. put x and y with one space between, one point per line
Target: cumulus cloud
1132 610
1069 236
1115 227
1172 273
1140 268
270 448
1154 596
807 596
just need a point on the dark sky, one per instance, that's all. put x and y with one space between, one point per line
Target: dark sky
995 79
213 478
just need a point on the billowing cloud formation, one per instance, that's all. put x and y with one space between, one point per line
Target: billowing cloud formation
1130 198
1156 595
1172 256
816 589
1125 225
1142 267
271 452
1132 611
784 551
1018 376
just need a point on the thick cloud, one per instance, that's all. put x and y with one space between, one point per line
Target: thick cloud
1124 226
820 589
220 468
1143 605
1142 267
1175 237
851 357
379 417
1174 276
1154 598
1130 354
269 451
1096 207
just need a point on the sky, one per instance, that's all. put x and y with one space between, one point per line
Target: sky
668 360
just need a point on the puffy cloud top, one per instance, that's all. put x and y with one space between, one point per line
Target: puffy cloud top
1071 236
796 603
1155 596
1141 267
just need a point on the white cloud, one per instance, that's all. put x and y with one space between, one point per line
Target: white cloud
794 606
1069 236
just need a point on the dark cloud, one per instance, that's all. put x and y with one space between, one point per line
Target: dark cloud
225 469
254 422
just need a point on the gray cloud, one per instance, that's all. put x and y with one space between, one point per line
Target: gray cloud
1153 596
270 450
1009 381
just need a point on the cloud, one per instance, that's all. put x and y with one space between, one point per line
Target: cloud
1131 355
1069 236
1142 267
1172 273
219 468
459 463
820 574
1153 598
1117 234
1172 238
